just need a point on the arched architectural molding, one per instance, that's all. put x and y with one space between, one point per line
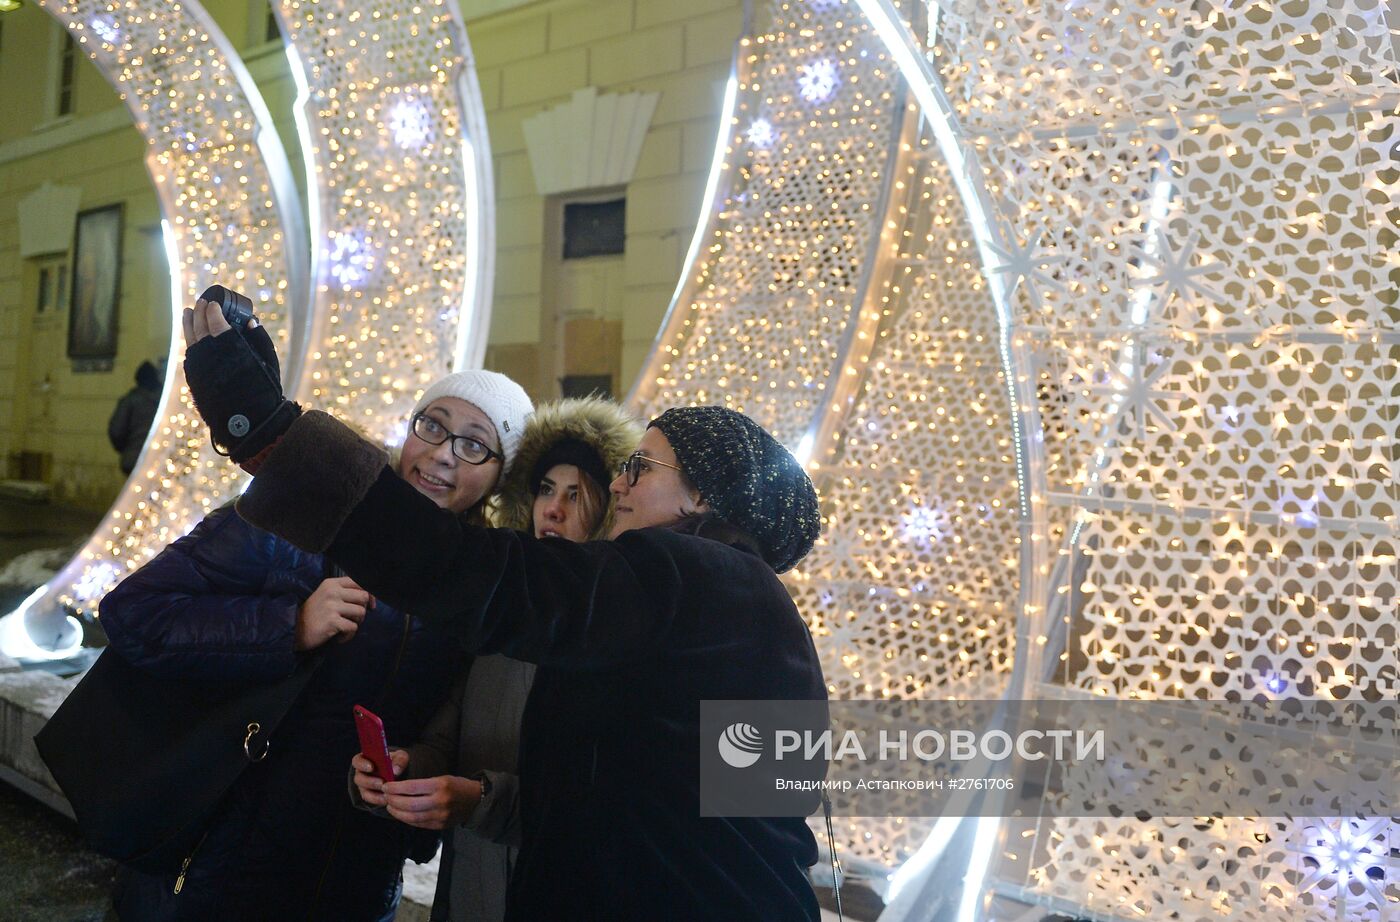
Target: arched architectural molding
590 142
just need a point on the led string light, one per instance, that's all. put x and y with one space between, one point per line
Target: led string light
889 339
764 314
911 590
403 266
387 110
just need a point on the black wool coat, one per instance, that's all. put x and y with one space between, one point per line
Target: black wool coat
630 636
220 606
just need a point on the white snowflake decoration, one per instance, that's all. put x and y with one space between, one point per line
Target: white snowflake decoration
350 259
104 28
760 133
410 124
817 81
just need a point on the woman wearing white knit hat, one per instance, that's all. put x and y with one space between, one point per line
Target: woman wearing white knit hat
230 603
463 435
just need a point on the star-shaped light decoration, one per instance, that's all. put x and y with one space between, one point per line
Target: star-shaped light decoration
1176 272
1027 264
1130 385
760 133
924 525
817 81
351 259
1341 851
410 124
96 581
105 28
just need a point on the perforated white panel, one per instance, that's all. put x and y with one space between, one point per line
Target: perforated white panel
1199 202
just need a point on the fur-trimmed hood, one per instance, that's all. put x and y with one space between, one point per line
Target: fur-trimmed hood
604 425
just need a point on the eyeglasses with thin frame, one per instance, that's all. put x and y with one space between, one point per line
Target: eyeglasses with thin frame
632 468
470 450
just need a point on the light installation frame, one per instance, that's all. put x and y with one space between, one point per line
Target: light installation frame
164 498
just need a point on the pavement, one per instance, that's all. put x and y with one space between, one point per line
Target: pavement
45 873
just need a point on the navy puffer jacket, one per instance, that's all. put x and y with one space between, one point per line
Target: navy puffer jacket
220 605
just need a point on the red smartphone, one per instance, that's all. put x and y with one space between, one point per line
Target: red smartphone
373 744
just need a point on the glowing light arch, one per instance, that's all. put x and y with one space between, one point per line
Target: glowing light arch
1037 161
231 213
394 134
830 291
1195 202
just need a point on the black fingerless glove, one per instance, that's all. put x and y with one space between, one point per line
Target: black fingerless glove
234 379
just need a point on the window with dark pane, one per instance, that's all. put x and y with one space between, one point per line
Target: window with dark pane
586 386
53 286
594 228
273 32
68 65
46 286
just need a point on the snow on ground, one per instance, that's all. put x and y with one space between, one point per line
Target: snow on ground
35 567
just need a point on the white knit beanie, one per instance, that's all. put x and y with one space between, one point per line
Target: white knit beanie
496 395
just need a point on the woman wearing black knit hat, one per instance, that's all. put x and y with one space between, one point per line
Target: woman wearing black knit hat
462 776
630 635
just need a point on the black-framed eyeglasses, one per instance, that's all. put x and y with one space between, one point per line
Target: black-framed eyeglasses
632 468
470 450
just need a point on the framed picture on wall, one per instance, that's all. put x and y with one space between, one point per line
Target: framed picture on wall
97 264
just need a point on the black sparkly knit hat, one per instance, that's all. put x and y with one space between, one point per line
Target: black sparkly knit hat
749 479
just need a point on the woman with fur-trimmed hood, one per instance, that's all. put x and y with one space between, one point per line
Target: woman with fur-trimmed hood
461 776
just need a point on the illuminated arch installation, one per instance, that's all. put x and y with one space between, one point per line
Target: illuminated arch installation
1198 205
397 287
1101 396
833 293
1092 353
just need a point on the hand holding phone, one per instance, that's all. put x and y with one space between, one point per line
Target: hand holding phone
373 744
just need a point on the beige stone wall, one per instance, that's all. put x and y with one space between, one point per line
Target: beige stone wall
531 56
46 409
531 59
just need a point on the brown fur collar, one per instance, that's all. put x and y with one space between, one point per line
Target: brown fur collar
312 480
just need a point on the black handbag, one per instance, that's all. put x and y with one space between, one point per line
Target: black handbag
145 761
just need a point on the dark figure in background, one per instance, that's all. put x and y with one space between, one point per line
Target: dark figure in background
135 412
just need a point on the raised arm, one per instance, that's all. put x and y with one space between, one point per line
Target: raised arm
543 601
323 488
